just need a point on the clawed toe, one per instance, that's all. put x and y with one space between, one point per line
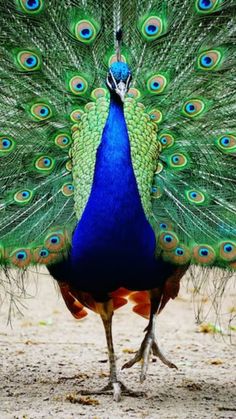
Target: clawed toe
149 346
116 389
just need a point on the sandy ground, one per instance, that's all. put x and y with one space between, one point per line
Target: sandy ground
48 357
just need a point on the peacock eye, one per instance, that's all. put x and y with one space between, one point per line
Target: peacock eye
228 248
227 251
209 60
190 108
152 28
156 84
76 115
85 31
204 254
206 61
175 159
207 6
179 251
62 140
193 108
55 242
168 240
31 6
6 145
156 116
28 60
78 85
44 164
166 140
67 189
227 143
21 255
98 93
178 161
163 226
21 258
23 197
43 253
195 197
41 111
156 191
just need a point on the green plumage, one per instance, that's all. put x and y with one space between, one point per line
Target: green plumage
180 113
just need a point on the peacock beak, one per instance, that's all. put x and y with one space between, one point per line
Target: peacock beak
121 90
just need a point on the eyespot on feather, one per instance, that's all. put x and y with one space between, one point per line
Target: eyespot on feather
133 93
67 189
179 256
31 7
152 27
166 139
82 27
44 164
227 251
195 197
193 108
21 258
156 116
156 84
23 197
76 115
205 7
165 225
98 93
63 140
168 240
156 191
226 143
43 256
177 161
204 254
78 85
41 111
209 60
28 60
55 242
7 145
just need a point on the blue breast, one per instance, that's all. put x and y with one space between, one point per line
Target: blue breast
113 244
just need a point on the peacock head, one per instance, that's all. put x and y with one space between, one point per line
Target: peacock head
118 79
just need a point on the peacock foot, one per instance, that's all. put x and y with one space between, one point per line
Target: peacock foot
116 389
148 346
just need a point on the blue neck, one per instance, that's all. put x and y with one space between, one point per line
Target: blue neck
113 225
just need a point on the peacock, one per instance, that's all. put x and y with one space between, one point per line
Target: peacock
117 151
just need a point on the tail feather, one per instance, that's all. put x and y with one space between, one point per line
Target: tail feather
55 57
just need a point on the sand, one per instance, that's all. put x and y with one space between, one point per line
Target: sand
47 358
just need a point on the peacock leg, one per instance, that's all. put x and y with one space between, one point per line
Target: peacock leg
114 386
149 344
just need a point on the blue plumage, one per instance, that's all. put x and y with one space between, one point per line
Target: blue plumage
127 241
